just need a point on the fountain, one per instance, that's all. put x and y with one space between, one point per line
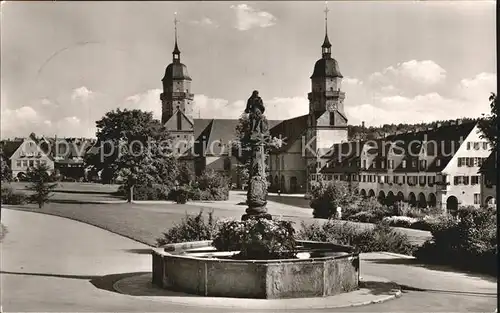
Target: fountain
314 269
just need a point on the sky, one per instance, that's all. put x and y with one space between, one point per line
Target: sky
65 64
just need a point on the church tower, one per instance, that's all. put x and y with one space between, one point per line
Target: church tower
327 124
177 101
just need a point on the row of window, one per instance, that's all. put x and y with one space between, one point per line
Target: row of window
411 180
404 164
30 163
470 161
465 180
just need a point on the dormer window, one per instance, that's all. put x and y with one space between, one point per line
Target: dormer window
403 164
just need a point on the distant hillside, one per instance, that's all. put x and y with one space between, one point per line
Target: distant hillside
357 132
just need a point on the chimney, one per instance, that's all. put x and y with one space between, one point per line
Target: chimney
363 124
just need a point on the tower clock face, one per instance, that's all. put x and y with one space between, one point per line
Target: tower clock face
332 106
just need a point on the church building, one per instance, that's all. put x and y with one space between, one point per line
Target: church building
206 143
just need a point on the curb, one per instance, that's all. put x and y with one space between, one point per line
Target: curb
263 304
404 256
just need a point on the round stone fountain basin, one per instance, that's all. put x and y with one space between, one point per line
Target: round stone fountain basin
320 269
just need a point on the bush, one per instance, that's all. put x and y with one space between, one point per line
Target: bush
327 196
428 223
381 238
364 217
9 196
182 194
213 186
191 228
469 242
368 211
257 238
146 192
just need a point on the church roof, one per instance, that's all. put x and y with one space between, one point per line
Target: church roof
176 71
216 135
326 43
290 130
326 67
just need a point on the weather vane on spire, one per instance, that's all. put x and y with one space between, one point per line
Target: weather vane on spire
326 16
175 25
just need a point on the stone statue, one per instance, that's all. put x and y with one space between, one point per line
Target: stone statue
258 138
255 107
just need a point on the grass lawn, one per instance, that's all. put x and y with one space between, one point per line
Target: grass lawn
146 222
70 192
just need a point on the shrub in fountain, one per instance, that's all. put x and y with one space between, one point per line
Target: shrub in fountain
257 239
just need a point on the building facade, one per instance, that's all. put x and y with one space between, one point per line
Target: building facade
63 155
29 153
433 168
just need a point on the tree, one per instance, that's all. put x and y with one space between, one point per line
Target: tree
489 124
135 146
186 175
5 171
40 185
326 196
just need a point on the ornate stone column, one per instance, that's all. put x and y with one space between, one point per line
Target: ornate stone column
257 138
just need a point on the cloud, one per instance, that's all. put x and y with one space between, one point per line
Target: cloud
352 81
478 87
75 113
146 101
205 21
206 107
469 99
82 93
248 17
425 72
285 108
276 108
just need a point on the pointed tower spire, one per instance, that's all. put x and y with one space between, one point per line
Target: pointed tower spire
176 53
326 47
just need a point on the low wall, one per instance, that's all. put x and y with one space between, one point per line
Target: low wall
268 279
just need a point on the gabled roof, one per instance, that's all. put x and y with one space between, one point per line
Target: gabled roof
215 135
10 146
490 167
290 130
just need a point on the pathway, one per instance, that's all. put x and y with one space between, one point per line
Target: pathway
55 264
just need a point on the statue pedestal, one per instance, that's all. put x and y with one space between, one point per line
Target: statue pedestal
256 199
266 216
